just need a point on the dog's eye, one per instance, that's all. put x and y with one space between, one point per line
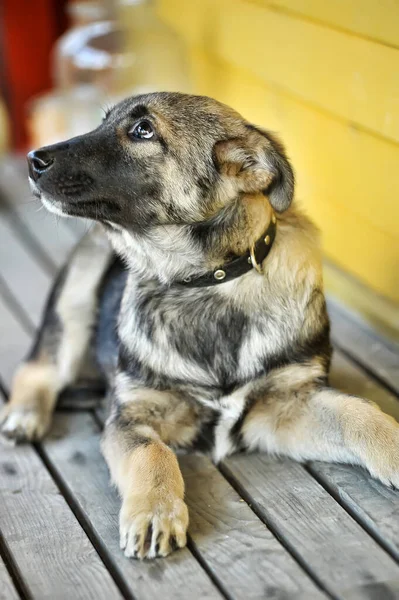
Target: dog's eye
142 131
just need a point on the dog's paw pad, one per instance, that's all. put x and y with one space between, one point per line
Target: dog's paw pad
153 533
21 425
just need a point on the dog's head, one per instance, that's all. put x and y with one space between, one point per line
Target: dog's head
162 159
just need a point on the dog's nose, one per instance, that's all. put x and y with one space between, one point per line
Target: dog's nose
39 161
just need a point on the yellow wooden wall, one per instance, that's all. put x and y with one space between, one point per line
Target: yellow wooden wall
324 74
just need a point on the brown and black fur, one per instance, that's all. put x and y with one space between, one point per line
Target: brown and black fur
242 365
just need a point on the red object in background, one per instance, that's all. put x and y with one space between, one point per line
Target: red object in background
29 30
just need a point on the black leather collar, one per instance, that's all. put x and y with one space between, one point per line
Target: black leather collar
237 267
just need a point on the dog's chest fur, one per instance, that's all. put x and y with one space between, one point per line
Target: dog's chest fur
202 338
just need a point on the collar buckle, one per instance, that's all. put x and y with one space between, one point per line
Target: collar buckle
253 258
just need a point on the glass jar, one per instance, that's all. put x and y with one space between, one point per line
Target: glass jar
101 60
82 67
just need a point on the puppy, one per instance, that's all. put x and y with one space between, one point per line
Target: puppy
199 290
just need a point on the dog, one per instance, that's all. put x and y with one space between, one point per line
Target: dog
197 297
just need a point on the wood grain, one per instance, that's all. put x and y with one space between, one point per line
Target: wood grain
361 343
374 505
73 450
14 343
28 281
50 234
7 589
42 535
320 533
352 379
238 554
240 551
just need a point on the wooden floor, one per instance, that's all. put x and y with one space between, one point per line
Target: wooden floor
260 528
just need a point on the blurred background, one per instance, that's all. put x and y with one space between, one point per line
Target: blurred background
323 75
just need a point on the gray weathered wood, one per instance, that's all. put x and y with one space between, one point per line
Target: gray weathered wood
26 279
7 589
73 449
358 339
375 505
171 578
48 232
236 548
240 551
374 591
348 377
43 537
335 549
14 343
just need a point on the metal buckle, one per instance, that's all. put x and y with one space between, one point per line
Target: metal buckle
254 262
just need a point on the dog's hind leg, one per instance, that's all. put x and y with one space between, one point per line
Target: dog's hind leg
305 420
62 343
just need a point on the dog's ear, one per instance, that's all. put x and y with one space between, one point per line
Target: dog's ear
257 163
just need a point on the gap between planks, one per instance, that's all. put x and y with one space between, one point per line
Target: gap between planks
321 535
258 525
11 583
151 572
45 548
378 358
236 550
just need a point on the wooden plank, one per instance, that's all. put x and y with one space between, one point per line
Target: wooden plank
14 343
15 189
108 513
239 550
348 377
49 232
7 589
318 531
374 591
379 312
55 240
73 450
353 78
43 537
374 505
355 337
374 20
28 281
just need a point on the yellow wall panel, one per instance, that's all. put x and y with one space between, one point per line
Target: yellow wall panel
354 169
378 20
354 78
347 175
346 179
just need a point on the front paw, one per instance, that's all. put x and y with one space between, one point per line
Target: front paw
23 424
383 455
153 526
